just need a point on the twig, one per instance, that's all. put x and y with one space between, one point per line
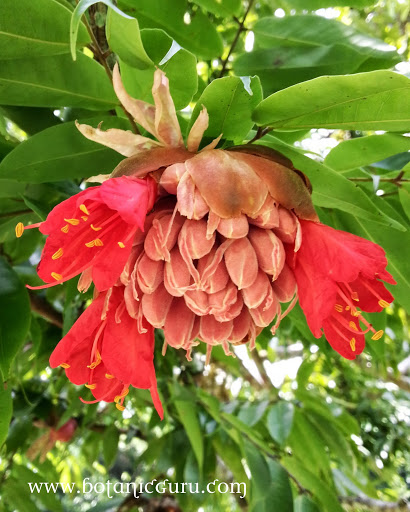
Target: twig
260 132
102 59
44 309
234 42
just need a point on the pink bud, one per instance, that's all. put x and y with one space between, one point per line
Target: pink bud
156 305
214 332
269 251
150 273
241 263
179 324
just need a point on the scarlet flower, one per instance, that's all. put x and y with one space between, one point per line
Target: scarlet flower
109 351
338 275
94 231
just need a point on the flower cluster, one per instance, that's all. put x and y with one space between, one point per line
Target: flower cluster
207 245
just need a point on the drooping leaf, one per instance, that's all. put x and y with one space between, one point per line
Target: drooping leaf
6 409
188 416
61 153
361 151
41 28
377 100
304 504
180 69
110 445
229 104
198 36
279 421
14 315
56 81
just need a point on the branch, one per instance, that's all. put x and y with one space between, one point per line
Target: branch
379 505
44 309
236 38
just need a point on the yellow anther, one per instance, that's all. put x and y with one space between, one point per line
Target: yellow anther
353 345
377 335
57 254
56 276
352 325
383 303
94 364
120 407
95 243
355 313
347 308
94 228
83 208
19 229
64 365
109 376
117 399
338 308
121 245
90 386
84 217
355 296
65 228
73 222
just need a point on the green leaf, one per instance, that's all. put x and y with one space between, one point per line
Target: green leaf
110 445
279 495
15 494
56 81
49 499
307 444
14 315
362 151
199 36
231 454
6 409
325 494
30 119
313 5
282 67
304 504
251 413
34 29
312 31
188 416
124 38
80 9
61 152
279 421
222 8
259 469
366 101
229 104
330 188
180 69
404 194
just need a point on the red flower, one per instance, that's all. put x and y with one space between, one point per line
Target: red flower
108 352
94 230
338 274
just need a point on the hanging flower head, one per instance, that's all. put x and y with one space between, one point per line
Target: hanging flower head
205 245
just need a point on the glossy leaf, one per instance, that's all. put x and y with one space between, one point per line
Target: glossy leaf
110 445
229 104
56 81
282 67
366 101
304 504
312 5
362 151
188 416
14 315
404 194
60 153
222 8
6 409
198 36
279 421
180 69
124 38
42 28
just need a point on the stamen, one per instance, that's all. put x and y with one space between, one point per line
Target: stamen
84 217
353 325
353 345
56 276
383 304
121 245
94 228
57 254
90 386
95 243
355 296
377 335
83 208
19 229
73 222
120 407
64 365
338 308
109 376
65 228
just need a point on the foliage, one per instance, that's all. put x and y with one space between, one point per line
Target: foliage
320 81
